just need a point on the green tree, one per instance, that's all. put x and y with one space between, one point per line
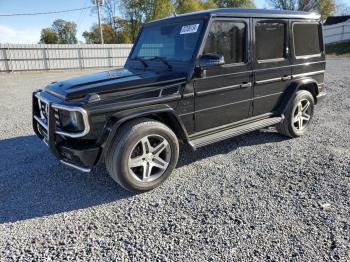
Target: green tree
137 12
110 35
66 31
187 6
235 3
210 4
61 32
156 9
93 37
323 7
133 11
122 26
48 36
119 25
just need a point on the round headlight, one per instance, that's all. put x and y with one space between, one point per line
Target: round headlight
71 121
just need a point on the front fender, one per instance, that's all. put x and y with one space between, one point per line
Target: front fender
155 111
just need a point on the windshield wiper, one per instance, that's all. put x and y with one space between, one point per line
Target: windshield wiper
141 59
162 59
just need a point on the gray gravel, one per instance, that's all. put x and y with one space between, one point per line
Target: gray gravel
255 197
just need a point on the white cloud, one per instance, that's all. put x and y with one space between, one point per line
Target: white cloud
15 36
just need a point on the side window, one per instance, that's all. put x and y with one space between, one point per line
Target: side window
270 40
306 39
228 39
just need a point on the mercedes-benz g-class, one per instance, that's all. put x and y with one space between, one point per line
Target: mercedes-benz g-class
191 79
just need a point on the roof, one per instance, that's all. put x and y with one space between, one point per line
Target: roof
332 20
245 12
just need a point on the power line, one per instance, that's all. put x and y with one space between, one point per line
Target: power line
82 14
48 13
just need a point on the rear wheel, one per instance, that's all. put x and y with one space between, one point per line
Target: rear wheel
143 155
298 115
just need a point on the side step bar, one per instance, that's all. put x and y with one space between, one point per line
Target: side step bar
232 132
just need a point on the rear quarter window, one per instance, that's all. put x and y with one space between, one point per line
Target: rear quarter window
306 39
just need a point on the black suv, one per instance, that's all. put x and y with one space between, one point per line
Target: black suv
197 78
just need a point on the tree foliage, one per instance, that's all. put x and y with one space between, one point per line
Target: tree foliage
187 6
235 3
156 9
61 32
48 36
133 11
110 35
93 37
137 12
66 31
323 7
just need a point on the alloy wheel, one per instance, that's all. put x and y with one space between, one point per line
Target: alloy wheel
302 114
149 158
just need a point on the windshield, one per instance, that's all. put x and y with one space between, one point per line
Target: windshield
175 42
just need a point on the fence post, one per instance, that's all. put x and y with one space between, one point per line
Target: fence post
110 57
80 56
7 68
10 65
45 56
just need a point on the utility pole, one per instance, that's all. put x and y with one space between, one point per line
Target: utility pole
98 4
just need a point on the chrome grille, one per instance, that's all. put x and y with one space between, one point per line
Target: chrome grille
44 110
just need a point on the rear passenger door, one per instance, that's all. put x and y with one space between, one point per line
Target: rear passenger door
272 64
223 94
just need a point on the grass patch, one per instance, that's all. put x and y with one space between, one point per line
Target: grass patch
342 48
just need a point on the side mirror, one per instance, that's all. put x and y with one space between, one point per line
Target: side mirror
210 60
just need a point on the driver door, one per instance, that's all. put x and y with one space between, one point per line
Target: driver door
223 94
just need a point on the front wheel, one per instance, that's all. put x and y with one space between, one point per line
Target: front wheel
298 115
143 155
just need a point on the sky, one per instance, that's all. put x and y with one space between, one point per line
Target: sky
26 29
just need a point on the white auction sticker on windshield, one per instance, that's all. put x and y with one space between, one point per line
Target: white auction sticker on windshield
189 29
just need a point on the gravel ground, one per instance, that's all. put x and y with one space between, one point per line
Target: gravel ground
255 197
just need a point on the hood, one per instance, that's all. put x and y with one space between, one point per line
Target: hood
110 81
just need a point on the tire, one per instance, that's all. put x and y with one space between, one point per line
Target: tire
138 165
298 115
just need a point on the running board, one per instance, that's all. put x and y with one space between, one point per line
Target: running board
232 132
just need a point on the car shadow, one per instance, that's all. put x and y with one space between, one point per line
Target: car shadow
34 184
263 136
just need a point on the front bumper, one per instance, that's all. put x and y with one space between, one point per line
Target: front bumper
65 146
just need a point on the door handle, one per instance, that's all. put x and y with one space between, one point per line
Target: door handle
245 84
285 78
